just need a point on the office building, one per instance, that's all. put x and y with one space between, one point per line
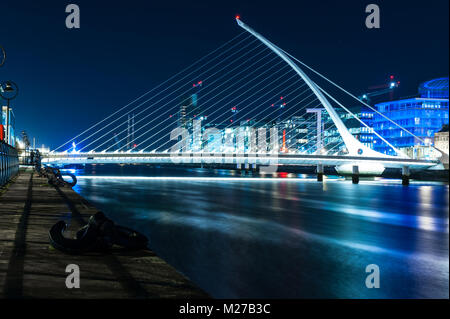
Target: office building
423 116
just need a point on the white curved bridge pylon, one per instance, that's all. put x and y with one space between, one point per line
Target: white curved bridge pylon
354 147
358 153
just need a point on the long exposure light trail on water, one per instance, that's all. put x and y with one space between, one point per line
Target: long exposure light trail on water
304 233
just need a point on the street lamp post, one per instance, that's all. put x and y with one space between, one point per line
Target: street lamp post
2 56
8 91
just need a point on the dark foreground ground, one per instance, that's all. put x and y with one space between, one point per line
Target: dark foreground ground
31 268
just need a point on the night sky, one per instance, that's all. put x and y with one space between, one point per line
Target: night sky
72 78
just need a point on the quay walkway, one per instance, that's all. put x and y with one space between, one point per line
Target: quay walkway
31 268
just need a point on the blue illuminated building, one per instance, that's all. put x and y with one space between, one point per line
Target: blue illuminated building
423 116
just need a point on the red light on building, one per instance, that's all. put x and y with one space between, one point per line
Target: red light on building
391 77
231 121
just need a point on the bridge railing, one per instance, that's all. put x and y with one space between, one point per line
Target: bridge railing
9 162
256 159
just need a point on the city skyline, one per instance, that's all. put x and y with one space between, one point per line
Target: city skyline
119 68
224 150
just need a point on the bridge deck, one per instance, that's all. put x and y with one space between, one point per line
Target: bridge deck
231 158
31 268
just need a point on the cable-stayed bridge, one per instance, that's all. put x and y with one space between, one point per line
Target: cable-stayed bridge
248 103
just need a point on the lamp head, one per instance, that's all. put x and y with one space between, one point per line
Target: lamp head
8 87
8 90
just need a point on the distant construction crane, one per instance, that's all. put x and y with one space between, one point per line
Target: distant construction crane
384 88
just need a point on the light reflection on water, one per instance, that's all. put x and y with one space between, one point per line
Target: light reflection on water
284 237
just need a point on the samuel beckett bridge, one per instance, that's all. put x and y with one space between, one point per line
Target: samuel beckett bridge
248 103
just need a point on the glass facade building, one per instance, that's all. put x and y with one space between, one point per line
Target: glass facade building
364 134
423 116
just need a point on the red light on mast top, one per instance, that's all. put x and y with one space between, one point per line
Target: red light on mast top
238 16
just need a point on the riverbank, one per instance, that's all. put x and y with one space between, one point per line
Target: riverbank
31 268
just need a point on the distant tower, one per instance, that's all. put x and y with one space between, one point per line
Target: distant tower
133 142
189 109
117 142
318 112
130 131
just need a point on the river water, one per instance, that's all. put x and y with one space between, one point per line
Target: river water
283 236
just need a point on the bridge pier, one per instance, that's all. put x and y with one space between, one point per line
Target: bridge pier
405 175
246 168
320 172
242 168
355 174
252 168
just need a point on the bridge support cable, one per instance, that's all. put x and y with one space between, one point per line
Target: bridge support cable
249 104
158 86
230 94
353 115
337 145
250 126
240 95
157 118
297 111
399 152
255 124
307 136
356 98
354 147
167 96
268 115
293 105
324 147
